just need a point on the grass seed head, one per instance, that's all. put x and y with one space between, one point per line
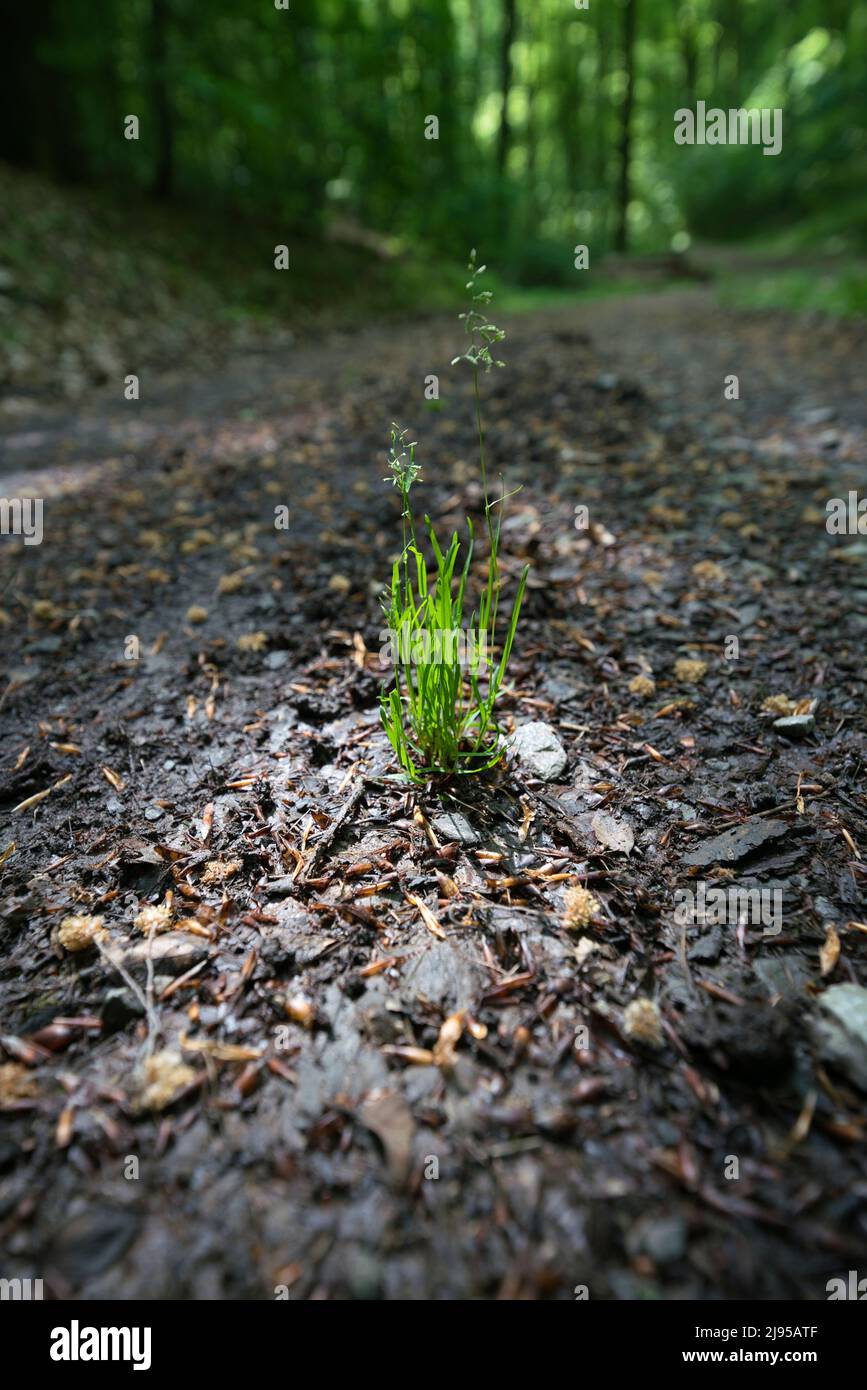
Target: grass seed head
580 908
690 670
643 686
80 932
642 1023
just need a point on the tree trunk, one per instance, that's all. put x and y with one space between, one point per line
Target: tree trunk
508 38
163 116
625 143
39 125
570 114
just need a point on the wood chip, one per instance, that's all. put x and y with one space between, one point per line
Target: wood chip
830 950
427 916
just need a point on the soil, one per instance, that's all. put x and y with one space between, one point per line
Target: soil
358 1056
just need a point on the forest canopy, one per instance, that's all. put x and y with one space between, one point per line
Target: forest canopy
523 125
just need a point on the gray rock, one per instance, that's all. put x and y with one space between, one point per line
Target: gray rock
841 1031
281 887
119 1007
818 415
364 1273
785 975
453 826
444 976
795 725
94 1240
662 1238
707 947
339 1061
737 843
538 751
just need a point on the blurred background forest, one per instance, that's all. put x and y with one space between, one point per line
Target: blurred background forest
308 125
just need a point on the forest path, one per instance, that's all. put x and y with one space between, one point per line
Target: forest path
216 770
679 344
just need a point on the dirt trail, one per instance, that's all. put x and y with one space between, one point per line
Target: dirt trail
312 1134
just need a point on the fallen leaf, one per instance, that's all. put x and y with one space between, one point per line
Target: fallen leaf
220 1051
427 916
613 834
830 950
387 1115
449 1036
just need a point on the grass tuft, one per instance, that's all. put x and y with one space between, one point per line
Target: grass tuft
439 713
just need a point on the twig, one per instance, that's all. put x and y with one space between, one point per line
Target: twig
153 1023
328 835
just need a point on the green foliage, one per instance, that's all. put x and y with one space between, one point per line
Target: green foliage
315 115
839 289
439 714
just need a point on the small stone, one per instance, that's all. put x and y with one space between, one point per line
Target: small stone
452 826
663 1239
818 415
153 812
707 947
119 1007
735 844
281 887
795 725
538 750
842 1031
196 614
